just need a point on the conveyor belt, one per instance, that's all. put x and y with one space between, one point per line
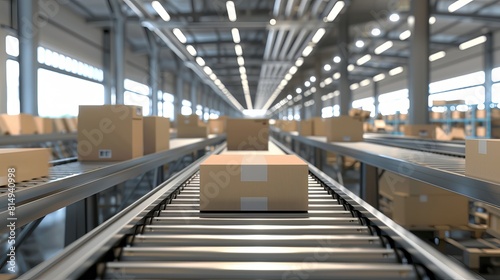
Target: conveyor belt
164 236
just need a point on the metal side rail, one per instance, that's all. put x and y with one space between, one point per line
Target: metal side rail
36 138
164 236
72 182
451 148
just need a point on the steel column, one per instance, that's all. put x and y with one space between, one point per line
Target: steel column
375 97
488 82
153 74
28 31
368 190
345 90
107 80
179 95
418 78
318 103
119 51
193 88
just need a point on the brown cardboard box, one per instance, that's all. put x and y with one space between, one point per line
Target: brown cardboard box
480 131
436 115
319 126
44 125
191 120
397 184
70 124
457 133
493 220
253 183
344 129
3 127
306 128
482 160
247 134
442 135
403 117
480 114
456 115
427 131
19 124
427 210
379 125
217 126
289 126
29 163
156 134
495 133
59 125
110 133
447 102
390 117
192 131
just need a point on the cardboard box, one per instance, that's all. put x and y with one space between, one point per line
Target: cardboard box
29 163
59 125
396 184
306 128
442 135
480 114
403 117
482 160
289 126
427 210
191 120
192 131
427 131
19 124
110 133
253 183
379 125
480 131
319 126
436 115
217 126
447 102
3 127
70 124
456 115
344 129
44 125
247 134
156 134
457 133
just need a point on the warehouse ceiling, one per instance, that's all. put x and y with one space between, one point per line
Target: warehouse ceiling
246 58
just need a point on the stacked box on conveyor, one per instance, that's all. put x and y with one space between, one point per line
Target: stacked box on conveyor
110 133
306 128
156 134
23 164
319 126
44 125
247 134
344 129
191 127
19 124
217 126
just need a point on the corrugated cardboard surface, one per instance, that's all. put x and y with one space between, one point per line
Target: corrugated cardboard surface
217 126
70 124
247 134
19 124
427 131
59 125
3 126
428 210
156 134
191 131
110 133
344 129
246 182
288 126
306 128
44 125
29 163
482 159
319 126
191 120
393 183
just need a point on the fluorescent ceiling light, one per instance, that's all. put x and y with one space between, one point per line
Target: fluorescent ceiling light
360 43
322 84
336 59
394 17
298 90
364 59
436 56
200 61
160 10
238 50
472 43
432 20
457 5
382 48
336 76
236 35
191 50
327 67
217 82
289 97
376 32
328 81
180 36
241 61
243 70
396 71
299 62
405 35
231 11
364 82
335 11
293 70
213 76
379 77
307 51
354 86
288 77
312 79
318 35
313 90
207 70
307 84
272 21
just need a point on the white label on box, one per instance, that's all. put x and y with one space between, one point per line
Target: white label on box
423 133
253 173
253 204
423 198
346 138
105 154
482 146
186 121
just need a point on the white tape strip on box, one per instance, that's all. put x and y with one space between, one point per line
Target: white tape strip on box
253 169
253 203
482 146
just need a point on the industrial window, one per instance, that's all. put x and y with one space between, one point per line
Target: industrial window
12 46
395 101
495 74
199 110
330 111
13 104
69 91
137 94
367 104
296 113
471 95
186 108
168 106
468 80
